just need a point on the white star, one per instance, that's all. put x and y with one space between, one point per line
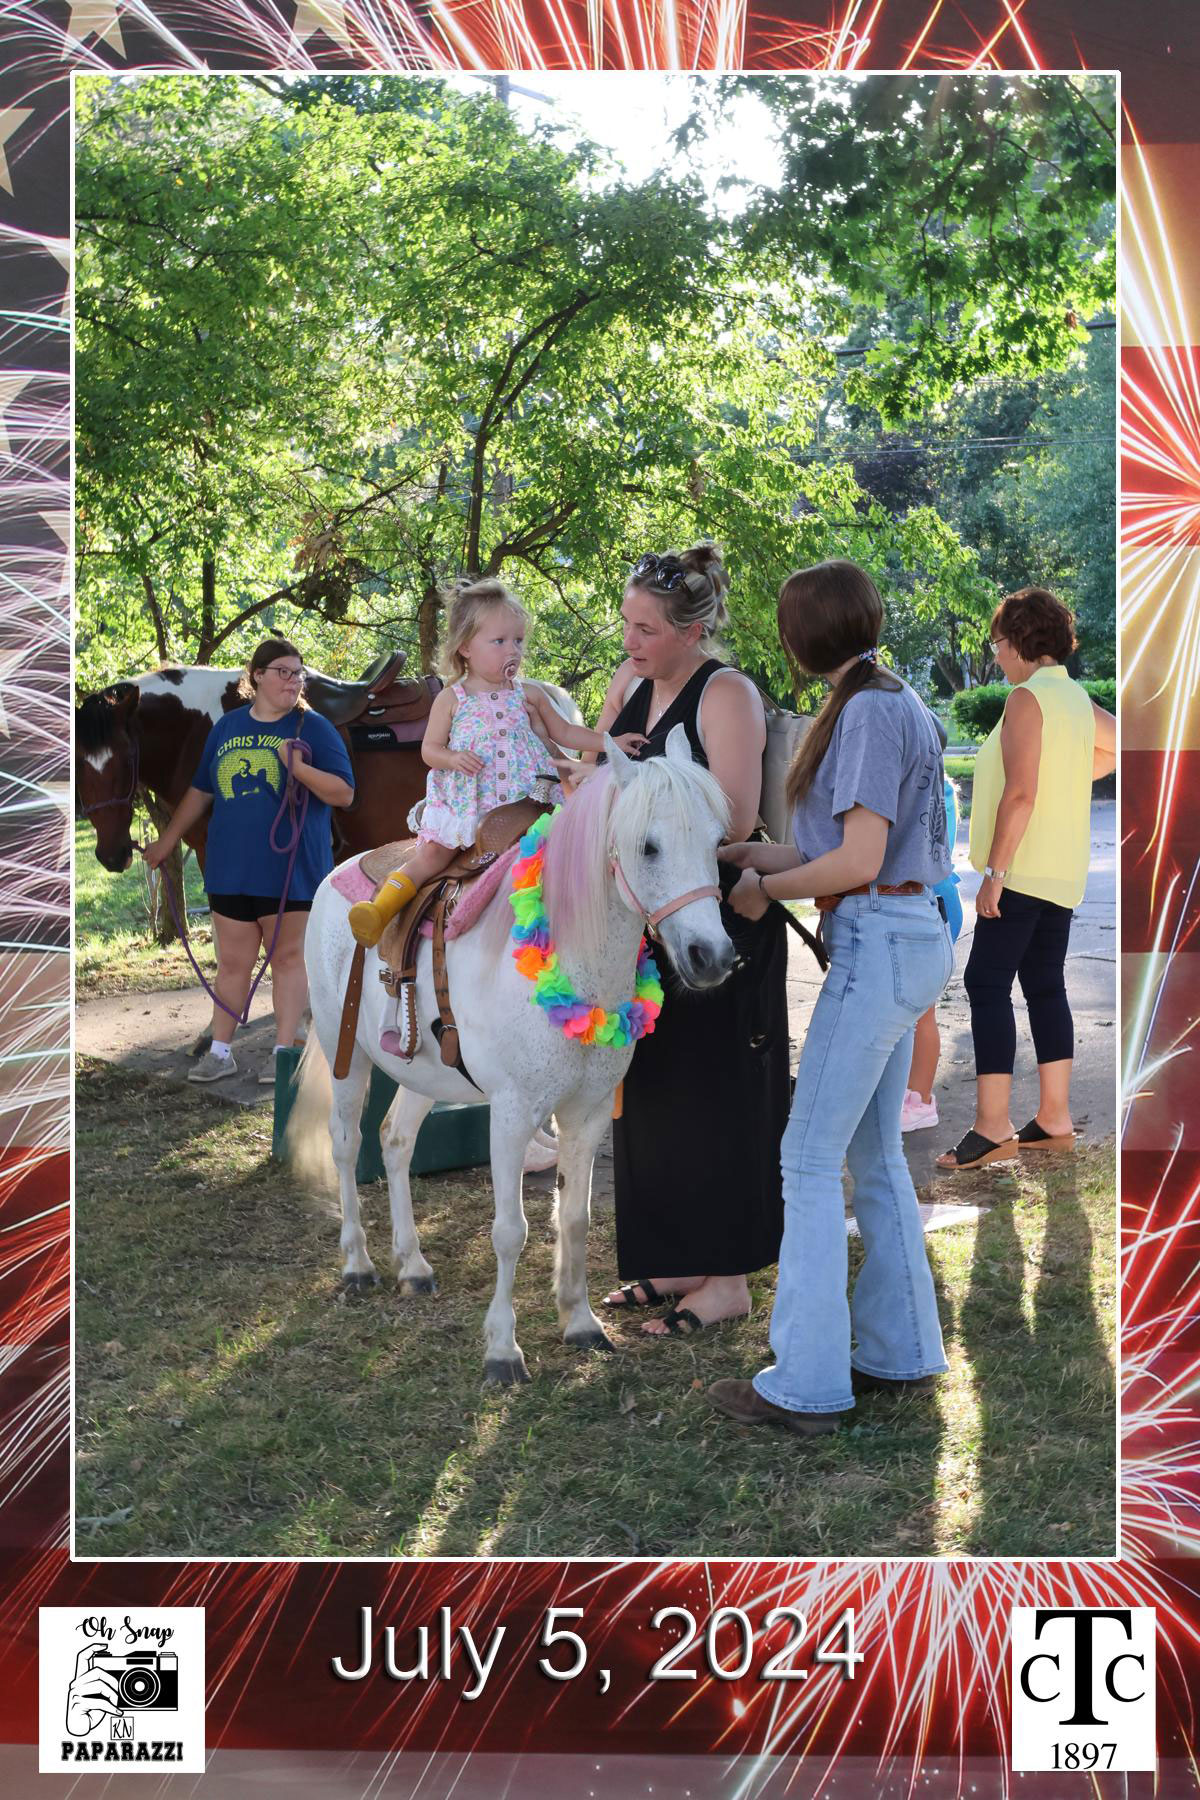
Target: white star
62 794
328 16
60 249
9 660
94 18
10 387
11 120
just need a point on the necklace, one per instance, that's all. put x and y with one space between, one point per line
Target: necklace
535 956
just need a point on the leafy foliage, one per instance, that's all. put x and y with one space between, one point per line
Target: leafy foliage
342 340
976 711
974 202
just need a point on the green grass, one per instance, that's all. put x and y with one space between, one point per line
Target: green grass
960 768
230 1401
114 950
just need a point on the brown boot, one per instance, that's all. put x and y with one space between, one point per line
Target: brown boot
368 917
742 1401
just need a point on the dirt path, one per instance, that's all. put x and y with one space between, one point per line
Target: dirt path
152 1033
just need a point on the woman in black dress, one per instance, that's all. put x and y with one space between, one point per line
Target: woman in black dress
696 1149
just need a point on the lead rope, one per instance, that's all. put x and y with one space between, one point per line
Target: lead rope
295 804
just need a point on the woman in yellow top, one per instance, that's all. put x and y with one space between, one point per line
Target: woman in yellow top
1031 842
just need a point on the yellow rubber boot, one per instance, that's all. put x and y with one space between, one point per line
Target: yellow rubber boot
368 917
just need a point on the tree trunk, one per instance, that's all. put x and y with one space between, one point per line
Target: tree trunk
208 610
162 924
428 626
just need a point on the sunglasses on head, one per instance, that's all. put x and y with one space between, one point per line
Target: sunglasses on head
667 572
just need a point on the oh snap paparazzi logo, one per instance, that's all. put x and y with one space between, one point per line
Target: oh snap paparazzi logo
123 1687
1083 1688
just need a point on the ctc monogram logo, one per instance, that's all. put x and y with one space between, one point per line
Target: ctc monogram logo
1084 1623
1083 1688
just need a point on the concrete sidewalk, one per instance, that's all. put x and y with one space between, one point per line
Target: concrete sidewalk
1091 985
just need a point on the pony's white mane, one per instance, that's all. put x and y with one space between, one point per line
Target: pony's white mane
598 816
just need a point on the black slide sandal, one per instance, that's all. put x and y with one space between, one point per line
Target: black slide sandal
1034 1137
973 1150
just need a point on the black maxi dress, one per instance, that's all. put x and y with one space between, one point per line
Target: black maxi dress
696 1150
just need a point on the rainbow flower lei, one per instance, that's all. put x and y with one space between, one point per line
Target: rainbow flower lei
537 959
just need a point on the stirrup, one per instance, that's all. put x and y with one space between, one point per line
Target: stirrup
368 917
403 1039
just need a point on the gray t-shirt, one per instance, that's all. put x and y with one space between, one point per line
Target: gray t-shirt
885 754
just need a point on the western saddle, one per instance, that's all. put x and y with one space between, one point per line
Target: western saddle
436 900
379 711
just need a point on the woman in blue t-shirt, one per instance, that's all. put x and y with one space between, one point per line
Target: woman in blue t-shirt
241 775
869 829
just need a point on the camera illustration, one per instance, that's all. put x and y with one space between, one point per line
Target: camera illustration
147 1680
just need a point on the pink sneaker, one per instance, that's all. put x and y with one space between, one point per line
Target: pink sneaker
915 1115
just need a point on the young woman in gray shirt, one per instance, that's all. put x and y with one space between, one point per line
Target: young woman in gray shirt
869 829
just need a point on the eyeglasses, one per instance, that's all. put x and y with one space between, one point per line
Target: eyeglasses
668 572
285 673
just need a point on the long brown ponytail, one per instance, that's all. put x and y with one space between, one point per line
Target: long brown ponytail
827 614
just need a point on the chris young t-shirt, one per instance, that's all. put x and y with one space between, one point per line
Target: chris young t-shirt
885 754
240 768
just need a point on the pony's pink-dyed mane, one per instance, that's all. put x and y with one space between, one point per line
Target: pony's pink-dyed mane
575 877
576 873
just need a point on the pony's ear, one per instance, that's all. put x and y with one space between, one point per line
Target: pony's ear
678 748
622 766
123 697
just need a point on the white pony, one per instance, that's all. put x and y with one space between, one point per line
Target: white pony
636 843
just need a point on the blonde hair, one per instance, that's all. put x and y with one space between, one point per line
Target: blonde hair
465 604
699 597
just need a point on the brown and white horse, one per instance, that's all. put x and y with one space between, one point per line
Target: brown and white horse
149 733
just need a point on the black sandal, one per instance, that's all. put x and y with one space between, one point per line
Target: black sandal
973 1150
681 1321
629 1304
1034 1137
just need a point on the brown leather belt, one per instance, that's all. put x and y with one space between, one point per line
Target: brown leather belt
826 902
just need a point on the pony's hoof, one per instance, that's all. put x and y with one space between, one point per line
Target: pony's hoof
505 1371
355 1286
590 1340
410 1286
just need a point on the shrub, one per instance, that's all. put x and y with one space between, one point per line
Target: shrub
977 710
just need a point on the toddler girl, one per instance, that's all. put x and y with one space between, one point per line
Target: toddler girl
489 740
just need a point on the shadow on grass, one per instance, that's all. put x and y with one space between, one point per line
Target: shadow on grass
233 1399
1043 1375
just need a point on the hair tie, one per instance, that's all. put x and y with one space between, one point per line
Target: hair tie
871 656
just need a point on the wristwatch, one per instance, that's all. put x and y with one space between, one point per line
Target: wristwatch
994 874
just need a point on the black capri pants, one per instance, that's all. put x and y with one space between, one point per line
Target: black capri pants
1028 940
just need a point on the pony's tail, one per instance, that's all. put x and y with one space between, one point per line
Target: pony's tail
306 1142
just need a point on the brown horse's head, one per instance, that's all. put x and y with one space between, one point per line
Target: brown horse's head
106 770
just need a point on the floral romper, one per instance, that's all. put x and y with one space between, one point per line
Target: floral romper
496 727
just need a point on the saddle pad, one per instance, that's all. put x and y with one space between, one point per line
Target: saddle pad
353 884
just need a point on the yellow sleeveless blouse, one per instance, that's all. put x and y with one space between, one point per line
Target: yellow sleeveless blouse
1051 861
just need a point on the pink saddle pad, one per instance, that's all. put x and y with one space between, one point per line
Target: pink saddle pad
353 885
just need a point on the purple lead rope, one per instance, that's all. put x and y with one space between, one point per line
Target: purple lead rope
295 805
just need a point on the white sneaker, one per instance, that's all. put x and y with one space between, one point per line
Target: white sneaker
915 1114
212 1068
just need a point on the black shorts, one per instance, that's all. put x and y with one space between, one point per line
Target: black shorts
250 908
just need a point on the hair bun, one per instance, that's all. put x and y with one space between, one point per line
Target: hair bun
705 558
